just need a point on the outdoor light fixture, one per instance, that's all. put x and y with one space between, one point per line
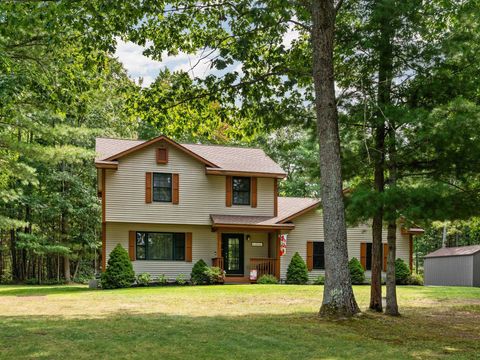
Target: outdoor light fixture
248 237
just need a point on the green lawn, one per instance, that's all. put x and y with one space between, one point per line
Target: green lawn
231 321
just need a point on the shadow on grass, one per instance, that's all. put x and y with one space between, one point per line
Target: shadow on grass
288 336
42 290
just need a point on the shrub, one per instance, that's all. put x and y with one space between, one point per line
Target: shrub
214 275
119 272
181 279
415 279
198 275
6 277
267 279
144 279
357 274
320 280
297 272
162 279
402 272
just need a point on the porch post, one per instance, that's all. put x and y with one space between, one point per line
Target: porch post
219 244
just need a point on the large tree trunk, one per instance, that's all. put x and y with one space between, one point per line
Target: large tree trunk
385 69
377 225
338 298
392 306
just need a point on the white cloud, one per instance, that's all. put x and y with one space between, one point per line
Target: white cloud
291 35
137 64
140 66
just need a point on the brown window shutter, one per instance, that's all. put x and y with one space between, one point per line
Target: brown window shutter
188 247
148 187
254 192
162 156
363 255
175 189
385 256
228 191
310 255
131 245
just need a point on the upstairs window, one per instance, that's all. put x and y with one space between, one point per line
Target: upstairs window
319 255
160 246
241 190
162 187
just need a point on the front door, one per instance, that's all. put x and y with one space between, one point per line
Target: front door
232 252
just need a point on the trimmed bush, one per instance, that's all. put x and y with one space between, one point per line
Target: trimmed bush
415 279
162 279
144 279
198 275
181 279
402 272
320 280
267 279
357 274
214 275
119 272
297 272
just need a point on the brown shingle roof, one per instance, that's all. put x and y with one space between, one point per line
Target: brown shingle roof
225 158
105 147
230 158
288 209
455 251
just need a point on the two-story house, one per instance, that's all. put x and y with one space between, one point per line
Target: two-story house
171 204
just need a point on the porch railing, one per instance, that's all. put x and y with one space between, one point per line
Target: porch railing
218 262
263 266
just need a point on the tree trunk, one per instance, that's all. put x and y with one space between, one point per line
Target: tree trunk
392 306
377 225
385 70
338 298
66 268
13 250
77 266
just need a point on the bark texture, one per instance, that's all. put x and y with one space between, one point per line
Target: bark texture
385 70
338 298
392 305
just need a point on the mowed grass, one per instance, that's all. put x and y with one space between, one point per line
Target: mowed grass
231 322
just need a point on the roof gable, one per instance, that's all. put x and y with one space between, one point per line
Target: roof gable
140 145
219 159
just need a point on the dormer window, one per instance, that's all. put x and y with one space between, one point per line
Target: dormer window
241 190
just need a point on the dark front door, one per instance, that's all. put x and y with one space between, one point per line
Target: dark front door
232 252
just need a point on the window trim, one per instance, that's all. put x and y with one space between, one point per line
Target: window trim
174 245
313 255
162 187
242 191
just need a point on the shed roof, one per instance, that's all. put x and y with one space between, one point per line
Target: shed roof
455 251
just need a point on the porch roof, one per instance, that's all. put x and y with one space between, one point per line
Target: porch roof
248 222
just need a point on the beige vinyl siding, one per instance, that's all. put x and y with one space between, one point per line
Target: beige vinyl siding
204 246
309 227
200 194
255 252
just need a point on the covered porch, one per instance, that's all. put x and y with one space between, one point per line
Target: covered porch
246 243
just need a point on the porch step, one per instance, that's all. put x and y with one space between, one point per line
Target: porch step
237 280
